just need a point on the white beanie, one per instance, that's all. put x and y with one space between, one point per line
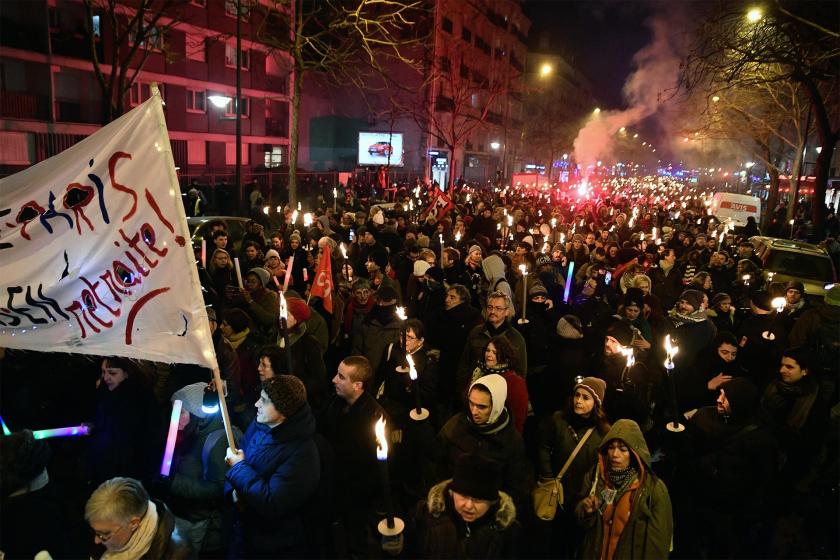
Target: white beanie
420 267
192 397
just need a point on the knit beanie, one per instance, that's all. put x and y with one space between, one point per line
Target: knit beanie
420 268
742 396
598 388
832 296
762 300
543 260
191 397
294 237
537 289
622 331
298 308
795 285
569 327
694 297
476 248
271 253
286 392
262 274
476 477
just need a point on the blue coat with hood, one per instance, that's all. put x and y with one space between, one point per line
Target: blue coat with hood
280 473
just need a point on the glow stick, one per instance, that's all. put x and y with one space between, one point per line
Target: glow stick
568 282
238 272
62 432
6 430
203 253
166 465
288 273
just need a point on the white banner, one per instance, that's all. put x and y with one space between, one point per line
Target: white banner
95 253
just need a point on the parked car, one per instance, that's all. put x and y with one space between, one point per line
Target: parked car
784 260
200 228
380 149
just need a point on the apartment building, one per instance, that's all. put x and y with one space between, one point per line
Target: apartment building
50 97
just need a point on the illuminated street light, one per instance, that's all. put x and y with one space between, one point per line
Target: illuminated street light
565 156
545 70
495 145
716 98
754 15
597 110
219 101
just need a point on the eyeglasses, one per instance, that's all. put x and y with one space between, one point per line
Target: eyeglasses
496 308
105 537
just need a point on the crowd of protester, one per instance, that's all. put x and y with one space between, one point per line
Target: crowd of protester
536 325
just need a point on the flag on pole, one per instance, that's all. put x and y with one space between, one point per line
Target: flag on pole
95 252
323 285
440 206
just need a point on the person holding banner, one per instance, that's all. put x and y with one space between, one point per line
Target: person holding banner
274 474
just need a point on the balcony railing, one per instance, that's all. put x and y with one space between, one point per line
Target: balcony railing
22 105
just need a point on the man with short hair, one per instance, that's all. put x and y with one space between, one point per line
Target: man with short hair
347 424
274 474
498 310
220 239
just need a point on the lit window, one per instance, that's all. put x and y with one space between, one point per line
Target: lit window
196 101
230 57
230 109
274 158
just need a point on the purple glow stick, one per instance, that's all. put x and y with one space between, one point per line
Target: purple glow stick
166 465
568 282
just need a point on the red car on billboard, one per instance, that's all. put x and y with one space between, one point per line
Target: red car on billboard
380 149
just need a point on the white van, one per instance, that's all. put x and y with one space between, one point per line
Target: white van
728 206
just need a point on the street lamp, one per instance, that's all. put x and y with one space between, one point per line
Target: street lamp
495 145
219 101
754 15
545 69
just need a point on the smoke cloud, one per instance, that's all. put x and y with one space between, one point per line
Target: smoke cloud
648 90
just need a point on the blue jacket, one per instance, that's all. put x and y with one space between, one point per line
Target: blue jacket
279 475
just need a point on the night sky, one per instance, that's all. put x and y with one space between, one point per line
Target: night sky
600 36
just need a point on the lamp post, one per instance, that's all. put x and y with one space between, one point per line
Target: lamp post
238 101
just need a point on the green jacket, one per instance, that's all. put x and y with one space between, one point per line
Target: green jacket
648 533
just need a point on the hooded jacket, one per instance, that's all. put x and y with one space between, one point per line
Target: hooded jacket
497 440
439 532
494 270
648 526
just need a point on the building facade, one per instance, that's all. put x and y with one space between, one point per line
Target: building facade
50 97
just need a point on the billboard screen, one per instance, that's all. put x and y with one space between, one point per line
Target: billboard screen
375 148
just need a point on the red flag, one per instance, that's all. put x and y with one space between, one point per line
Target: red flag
323 284
440 206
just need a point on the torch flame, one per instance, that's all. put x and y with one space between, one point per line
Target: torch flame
381 440
412 371
307 219
523 269
778 303
284 312
457 236
670 351
294 216
401 313
510 220
343 251
628 353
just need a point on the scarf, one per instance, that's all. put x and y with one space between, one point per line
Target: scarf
679 319
140 541
482 369
236 339
493 427
799 397
619 479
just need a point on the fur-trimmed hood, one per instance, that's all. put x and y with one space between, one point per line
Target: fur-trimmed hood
436 505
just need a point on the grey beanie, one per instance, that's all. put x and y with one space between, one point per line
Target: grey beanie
262 274
569 327
192 397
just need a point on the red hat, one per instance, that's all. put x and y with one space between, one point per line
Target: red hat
298 308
